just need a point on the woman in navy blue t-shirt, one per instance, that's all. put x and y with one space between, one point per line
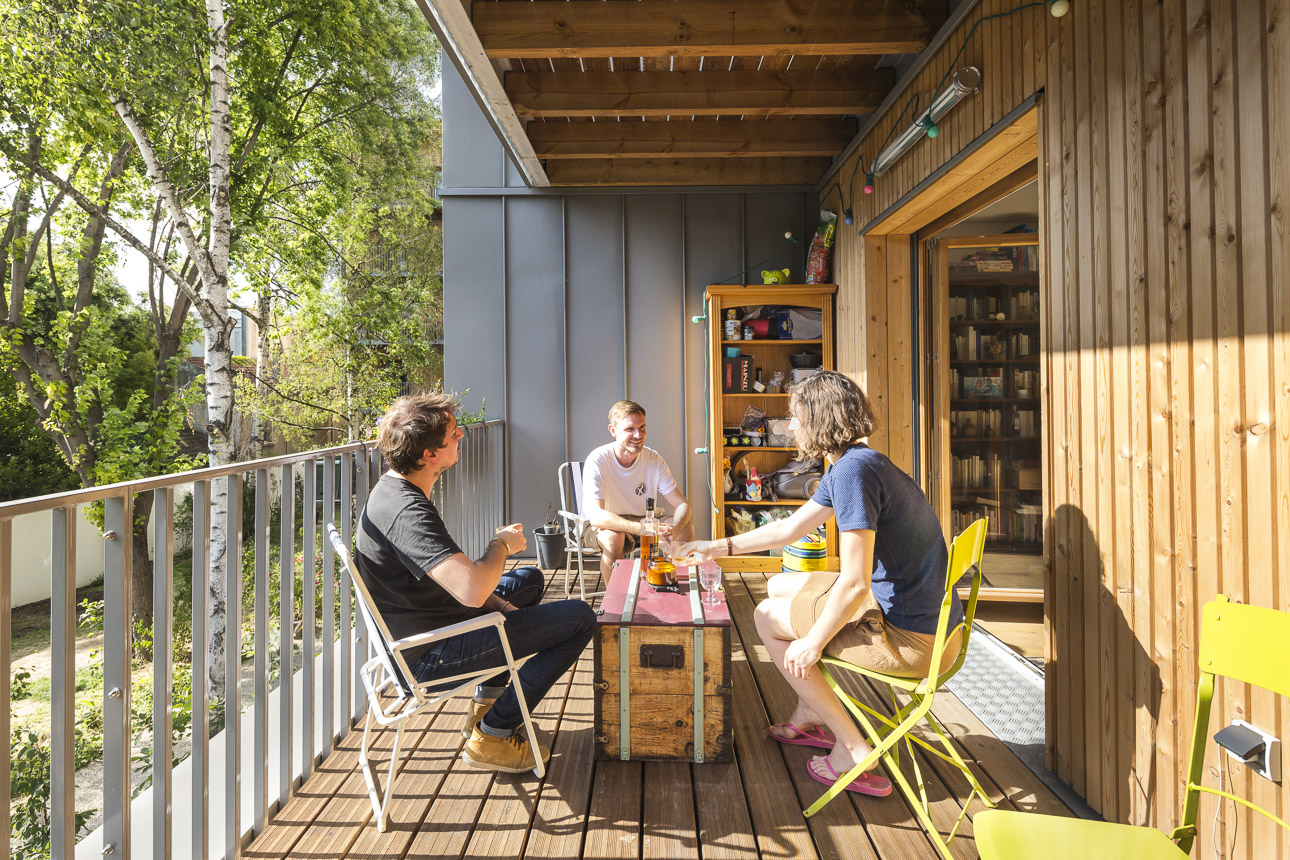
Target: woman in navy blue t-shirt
880 611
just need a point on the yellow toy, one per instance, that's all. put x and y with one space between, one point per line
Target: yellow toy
774 276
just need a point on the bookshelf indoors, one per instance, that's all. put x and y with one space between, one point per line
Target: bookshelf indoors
993 463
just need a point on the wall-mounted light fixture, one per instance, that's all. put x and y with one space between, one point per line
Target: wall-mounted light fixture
966 80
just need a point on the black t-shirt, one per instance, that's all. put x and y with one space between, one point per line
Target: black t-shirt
400 538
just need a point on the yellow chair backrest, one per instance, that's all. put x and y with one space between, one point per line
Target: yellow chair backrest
1246 643
965 551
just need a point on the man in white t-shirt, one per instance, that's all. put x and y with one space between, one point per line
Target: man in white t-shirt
617 479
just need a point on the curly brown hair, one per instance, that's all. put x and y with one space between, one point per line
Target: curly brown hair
832 414
415 423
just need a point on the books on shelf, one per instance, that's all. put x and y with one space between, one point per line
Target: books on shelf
975 472
1011 258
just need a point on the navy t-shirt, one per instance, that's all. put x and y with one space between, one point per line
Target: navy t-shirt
400 537
868 491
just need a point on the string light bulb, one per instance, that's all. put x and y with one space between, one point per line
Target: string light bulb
1059 8
868 182
932 129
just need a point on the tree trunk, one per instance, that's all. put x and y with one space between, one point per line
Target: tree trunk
141 565
219 360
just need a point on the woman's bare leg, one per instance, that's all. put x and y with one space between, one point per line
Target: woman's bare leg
817 704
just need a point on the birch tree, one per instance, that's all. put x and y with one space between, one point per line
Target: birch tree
229 118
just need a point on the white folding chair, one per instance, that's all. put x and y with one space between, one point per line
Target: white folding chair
388 673
577 528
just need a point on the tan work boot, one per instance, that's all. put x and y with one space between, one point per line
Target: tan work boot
509 755
476 713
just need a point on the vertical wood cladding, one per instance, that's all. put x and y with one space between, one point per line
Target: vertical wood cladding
1164 169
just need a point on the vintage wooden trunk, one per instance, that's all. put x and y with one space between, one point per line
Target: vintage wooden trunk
662 674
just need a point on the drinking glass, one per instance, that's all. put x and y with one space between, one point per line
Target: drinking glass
710 579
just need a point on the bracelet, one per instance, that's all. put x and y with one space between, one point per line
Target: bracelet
730 547
506 548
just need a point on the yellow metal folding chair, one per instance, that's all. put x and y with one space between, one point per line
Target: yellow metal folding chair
1244 643
885 733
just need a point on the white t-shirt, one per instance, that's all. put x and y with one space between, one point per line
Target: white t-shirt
624 490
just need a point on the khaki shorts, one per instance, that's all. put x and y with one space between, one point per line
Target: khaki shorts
868 640
630 541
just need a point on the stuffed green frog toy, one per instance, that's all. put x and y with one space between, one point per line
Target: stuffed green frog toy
774 276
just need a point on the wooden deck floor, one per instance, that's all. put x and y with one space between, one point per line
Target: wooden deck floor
750 808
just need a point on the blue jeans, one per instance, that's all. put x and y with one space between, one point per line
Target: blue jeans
555 634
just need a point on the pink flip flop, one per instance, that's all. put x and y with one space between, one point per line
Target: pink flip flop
866 783
816 736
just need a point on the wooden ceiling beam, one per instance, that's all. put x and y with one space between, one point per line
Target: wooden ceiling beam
692 28
691 93
691 139
687 171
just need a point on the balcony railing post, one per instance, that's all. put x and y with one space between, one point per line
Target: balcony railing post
201 683
163 505
286 630
232 670
260 662
6 579
345 590
329 610
117 555
309 573
62 671
360 626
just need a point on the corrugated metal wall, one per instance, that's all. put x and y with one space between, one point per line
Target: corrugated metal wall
1165 175
558 305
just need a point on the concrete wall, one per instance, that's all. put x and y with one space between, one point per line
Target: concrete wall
556 305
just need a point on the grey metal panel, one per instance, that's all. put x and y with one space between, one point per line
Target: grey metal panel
713 234
595 312
472 154
656 372
535 355
514 179
474 296
767 217
578 288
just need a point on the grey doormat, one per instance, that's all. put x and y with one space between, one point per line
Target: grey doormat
1006 692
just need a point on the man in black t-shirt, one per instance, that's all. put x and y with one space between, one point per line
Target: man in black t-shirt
421 580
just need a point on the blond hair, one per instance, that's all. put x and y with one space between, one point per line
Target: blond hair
622 409
832 414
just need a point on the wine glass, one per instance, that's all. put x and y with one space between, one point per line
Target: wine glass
710 579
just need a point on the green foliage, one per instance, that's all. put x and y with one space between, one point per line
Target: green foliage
30 786
30 462
20 685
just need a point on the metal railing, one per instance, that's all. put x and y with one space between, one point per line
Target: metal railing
283 732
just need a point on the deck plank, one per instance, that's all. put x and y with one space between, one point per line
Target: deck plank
512 803
749 808
419 784
294 819
339 821
669 829
836 831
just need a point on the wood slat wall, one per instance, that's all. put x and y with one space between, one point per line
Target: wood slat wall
1164 168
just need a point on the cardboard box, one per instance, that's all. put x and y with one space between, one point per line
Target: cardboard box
736 374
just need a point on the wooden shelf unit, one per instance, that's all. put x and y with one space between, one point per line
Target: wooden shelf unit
727 409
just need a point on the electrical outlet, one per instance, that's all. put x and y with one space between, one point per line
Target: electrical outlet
1266 762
